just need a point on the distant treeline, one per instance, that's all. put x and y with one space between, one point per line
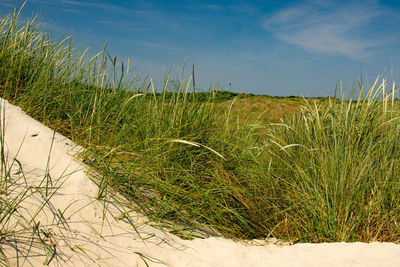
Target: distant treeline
218 96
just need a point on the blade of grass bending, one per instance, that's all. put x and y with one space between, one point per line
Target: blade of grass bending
194 83
186 89
196 145
393 95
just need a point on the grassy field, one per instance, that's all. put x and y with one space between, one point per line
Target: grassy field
303 170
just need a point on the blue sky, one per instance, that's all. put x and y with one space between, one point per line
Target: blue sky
263 47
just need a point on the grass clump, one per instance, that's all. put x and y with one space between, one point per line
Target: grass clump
336 169
190 161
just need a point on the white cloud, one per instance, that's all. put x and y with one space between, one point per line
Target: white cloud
214 7
328 27
75 6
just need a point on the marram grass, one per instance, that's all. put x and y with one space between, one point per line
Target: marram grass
336 168
328 173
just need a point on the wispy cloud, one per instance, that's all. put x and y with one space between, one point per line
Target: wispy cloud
214 7
329 27
74 6
9 3
96 4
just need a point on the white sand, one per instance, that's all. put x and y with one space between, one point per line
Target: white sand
88 240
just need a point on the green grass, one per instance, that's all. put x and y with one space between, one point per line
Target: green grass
325 170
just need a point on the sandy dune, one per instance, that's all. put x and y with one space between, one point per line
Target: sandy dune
92 233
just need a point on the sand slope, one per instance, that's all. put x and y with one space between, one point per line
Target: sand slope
91 235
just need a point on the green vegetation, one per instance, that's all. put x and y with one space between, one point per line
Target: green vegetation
309 170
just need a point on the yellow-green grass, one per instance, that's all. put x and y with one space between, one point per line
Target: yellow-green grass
252 167
263 108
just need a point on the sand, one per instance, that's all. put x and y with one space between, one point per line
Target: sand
92 233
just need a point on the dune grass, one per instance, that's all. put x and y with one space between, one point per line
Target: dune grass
328 173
